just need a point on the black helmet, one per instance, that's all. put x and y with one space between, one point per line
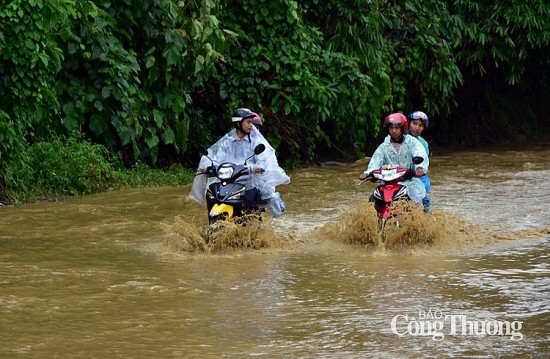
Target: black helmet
241 114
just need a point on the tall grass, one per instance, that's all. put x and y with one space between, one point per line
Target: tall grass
73 166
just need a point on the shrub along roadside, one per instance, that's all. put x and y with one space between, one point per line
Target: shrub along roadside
73 166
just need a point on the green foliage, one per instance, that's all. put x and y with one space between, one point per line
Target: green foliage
509 36
73 166
404 47
306 94
326 73
29 31
58 168
12 147
355 30
502 49
11 141
30 58
131 70
152 79
421 56
141 175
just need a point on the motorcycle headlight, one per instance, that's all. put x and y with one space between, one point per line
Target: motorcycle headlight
390 174
225 173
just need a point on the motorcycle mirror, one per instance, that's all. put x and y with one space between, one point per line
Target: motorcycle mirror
204 151
417 160
259 149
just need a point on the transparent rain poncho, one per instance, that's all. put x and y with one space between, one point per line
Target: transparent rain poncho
231 149
387 153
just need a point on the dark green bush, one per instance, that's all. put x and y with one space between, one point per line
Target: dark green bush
58 168
67 167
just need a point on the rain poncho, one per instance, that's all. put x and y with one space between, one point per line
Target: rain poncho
232 149
424 143
425 179
401 154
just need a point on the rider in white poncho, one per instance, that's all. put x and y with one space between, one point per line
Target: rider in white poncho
399 149
236 146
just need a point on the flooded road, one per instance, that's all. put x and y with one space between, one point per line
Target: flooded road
108 276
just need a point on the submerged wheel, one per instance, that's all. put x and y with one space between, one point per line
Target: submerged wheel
214 225
210 235
382 228
214 219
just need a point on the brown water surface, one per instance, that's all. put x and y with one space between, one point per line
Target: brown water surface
121 274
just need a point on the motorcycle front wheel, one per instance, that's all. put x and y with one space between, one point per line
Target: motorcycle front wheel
214 219
214 225
382 228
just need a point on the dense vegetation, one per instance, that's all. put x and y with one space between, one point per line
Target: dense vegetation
123 83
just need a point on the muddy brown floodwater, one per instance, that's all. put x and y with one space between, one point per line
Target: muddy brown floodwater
127 274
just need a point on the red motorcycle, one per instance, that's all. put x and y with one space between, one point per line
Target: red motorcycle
390 190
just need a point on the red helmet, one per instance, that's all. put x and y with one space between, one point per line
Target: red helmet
396 119
257 120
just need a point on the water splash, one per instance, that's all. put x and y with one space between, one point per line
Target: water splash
411 231
183 237
225 237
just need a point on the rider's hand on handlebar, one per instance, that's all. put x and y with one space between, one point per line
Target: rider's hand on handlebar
204 171
258 170
419 172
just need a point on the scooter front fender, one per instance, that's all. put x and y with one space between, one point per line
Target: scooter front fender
384 212
218 209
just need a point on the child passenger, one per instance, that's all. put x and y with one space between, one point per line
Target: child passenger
418 122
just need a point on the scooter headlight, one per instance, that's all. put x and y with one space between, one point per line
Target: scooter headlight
389 174
225 173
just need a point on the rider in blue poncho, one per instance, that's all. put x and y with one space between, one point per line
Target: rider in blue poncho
418 121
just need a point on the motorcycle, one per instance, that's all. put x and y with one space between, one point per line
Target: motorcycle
231 196
390 190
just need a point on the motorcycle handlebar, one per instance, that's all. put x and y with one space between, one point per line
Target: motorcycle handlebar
409 175
209 171
369 177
